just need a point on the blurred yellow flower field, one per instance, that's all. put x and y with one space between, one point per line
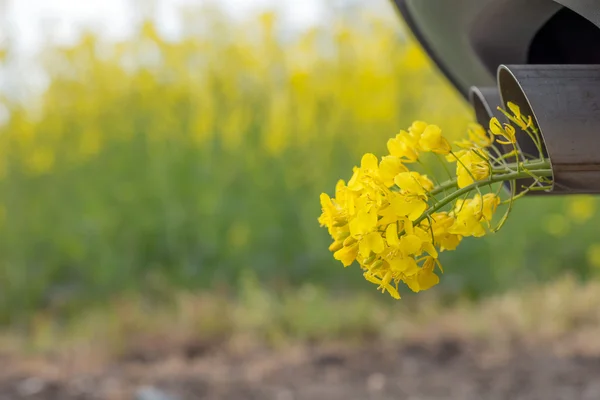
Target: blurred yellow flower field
150 164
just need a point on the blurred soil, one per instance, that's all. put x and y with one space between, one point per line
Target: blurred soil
440 367
541 343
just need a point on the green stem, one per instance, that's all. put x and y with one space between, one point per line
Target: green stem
529 166
493 179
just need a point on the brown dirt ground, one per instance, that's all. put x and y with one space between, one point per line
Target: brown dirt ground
440 368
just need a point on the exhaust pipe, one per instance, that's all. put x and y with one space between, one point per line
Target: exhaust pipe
564 102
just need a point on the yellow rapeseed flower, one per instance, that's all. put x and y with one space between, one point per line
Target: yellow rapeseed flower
416 129
471 167
470 214
432 140
404 147
478 138
408 205
364 222
507 132
413 183
371 242
522 121
490 204
347 254
389 167
425 278
369 169
333 214
382 286
392 219
405 266
440 224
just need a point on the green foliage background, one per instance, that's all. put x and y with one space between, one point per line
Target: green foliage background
150 165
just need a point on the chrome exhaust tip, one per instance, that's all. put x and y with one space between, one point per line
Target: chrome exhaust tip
564 102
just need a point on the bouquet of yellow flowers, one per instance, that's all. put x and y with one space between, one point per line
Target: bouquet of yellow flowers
394 220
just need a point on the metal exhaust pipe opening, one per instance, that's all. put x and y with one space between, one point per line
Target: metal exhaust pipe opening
510 91
564 102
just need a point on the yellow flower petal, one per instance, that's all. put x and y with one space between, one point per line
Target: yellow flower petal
408 206
391 235
410 244
369 162
389 167
335 246
417 211
496 127
432 140
347 255
401 147
427 280
430 248
373 242
405 265
363 223
515 109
